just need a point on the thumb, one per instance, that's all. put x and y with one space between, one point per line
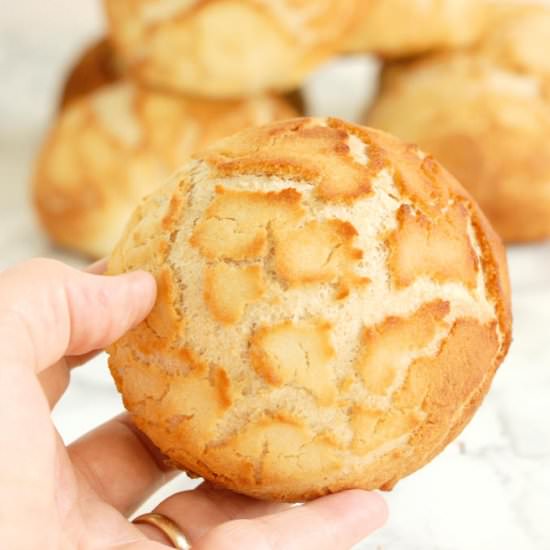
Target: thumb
49 310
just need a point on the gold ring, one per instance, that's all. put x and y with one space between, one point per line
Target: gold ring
168 526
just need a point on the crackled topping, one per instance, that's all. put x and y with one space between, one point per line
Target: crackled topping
469 345
373 428
389 345
236 224
301 150
222 384
164 320
319 252
229 289
439 249
417 176
296 353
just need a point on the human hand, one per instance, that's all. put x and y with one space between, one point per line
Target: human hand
56 497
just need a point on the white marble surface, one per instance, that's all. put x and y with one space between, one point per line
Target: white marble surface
490 490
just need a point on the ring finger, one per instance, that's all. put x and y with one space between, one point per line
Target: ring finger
202 509
334 522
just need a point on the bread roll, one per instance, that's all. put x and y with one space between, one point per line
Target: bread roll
108 149
226 48
485 114
331 309
401 28
94 68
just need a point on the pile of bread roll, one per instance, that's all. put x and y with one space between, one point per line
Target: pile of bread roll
468 80
173 76
332 304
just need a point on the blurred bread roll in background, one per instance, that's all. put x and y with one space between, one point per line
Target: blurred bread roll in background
485 114
226 48
401 28
332 307
108 149
94 68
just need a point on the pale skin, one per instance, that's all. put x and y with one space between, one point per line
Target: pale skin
53 496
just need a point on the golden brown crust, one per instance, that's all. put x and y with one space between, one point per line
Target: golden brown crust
193 47
251 371
111 147
402 28
396 336
291 149
228 290
438 248
291 353
236 224
432 379
319 252
419 177
96 67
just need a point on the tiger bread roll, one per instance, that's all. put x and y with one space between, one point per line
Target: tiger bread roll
332 307
401 28
485 114
108 149
226 48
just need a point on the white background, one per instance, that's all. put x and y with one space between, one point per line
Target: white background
490 490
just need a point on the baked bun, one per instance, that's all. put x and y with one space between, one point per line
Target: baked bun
401 28
331 309
95 68
485 114
226 48
108 149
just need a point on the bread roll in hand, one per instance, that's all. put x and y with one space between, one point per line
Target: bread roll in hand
332 307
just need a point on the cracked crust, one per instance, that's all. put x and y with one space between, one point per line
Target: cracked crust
432 247
296 353
382 344
229 289
237 222
109 148
191 45
402 28
253 370
484 113
319 252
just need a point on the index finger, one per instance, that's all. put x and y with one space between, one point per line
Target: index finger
55 379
